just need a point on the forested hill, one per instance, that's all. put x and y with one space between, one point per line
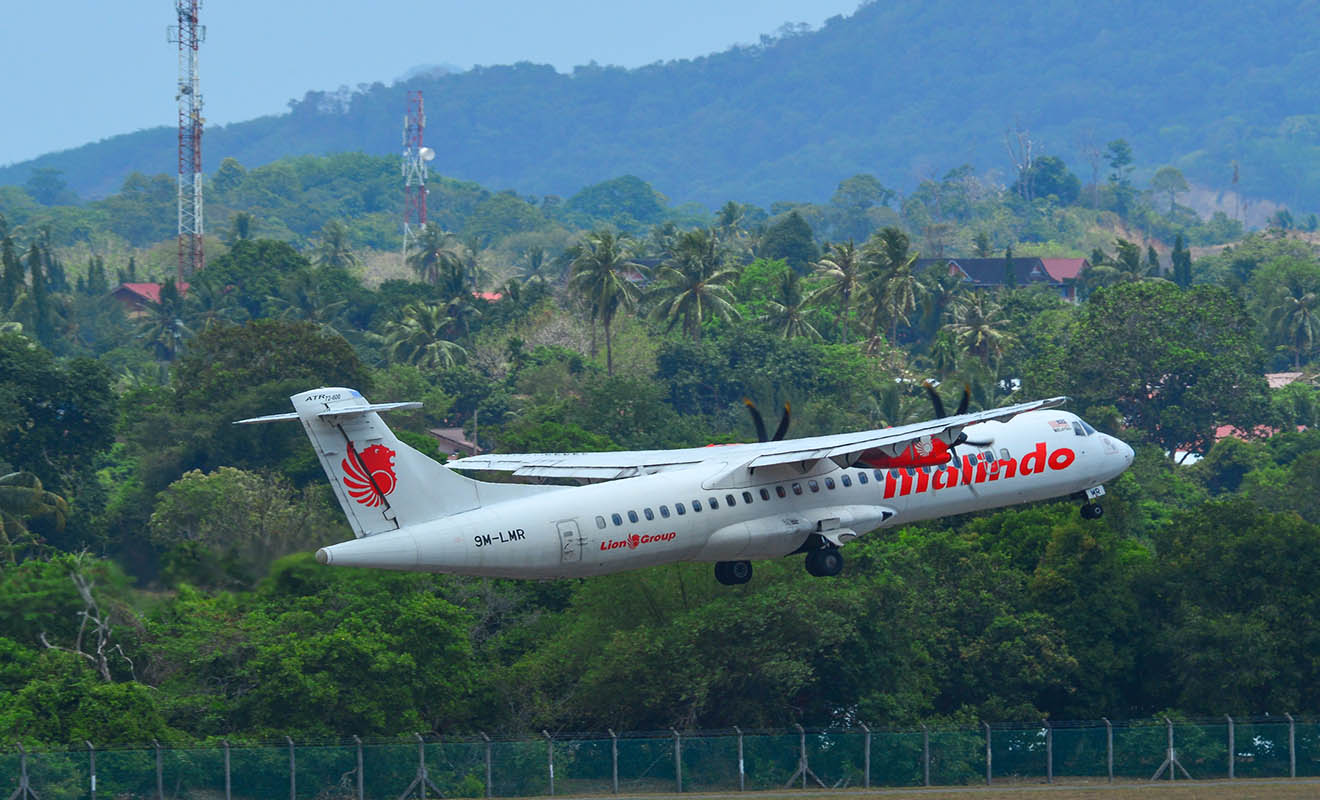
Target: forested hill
898 89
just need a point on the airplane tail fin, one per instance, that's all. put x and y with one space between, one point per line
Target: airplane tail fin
381 483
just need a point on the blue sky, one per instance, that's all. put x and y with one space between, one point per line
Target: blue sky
82 71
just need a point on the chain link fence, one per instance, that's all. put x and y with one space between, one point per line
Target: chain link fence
673 761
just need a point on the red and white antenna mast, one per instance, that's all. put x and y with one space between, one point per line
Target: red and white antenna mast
415 156
188 34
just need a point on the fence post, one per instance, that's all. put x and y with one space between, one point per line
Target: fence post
422 776
1292 746
550 759
488 770
1109 747
1169 724
987 753
802 738
1232 749
678 760
614 760
1049 751
293 771
866 758
91 759
24 790
925 754
357 744
742 773
225 742
160 773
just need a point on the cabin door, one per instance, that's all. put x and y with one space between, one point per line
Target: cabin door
570 542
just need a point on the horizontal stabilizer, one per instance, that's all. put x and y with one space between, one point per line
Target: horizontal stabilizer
341 412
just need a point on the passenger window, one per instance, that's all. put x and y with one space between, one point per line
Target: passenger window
829 483
747 497
600 521
797 488
765 494
988 456
618 520
664 511
680 508
813 486
648 513
696 505
713 503
779 490
879 476
1077 428
910 470
728 501
845 480
861 478
632 516
1003 453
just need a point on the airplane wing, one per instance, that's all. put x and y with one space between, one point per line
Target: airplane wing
845 449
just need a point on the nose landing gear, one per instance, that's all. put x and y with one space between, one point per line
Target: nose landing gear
824 563
1092 511
732 573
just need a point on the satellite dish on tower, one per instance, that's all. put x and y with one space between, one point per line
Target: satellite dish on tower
426 153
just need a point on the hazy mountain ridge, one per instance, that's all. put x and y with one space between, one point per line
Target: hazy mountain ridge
904 91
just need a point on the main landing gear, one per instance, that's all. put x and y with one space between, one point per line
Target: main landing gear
824 563
732 573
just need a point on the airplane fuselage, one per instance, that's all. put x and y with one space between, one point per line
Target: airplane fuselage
712 511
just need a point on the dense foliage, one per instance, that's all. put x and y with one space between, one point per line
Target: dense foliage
154 581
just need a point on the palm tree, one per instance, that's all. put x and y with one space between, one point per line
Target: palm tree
304 297
843 270
419 338
980 328
439 259
1295 320
693 286
603 275
21 498
892 283
787 313
162 327
334 250
210 303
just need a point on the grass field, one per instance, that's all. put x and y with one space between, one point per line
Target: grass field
1163 790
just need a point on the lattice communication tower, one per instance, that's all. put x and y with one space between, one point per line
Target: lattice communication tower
415 156
189 35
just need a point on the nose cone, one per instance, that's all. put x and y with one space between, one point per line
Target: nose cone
1128 454
393 550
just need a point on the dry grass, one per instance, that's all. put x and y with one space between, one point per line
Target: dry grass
1162 790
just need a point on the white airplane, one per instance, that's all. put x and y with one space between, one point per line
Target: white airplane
730 504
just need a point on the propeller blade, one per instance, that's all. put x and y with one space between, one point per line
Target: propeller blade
783 424
966 399
935 400
756 419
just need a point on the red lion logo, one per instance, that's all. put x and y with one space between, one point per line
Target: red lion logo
633 541
377 462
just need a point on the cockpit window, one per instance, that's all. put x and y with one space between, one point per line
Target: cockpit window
1089 430
1077 428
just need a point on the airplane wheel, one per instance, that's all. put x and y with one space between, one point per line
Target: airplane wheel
1092 511
733 573
825 563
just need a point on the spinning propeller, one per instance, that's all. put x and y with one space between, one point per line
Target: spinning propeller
940 413
760 423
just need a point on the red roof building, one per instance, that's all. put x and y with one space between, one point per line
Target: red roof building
136 296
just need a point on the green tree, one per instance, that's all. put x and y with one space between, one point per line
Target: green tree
791 239
1046 176
892 285
421 337
1181 259
693 286
22 498
439 259
1294 319
787 310
1118 154
843 270
162 328
980 327
333 250
603 274
223 530
1175 364
1169 181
